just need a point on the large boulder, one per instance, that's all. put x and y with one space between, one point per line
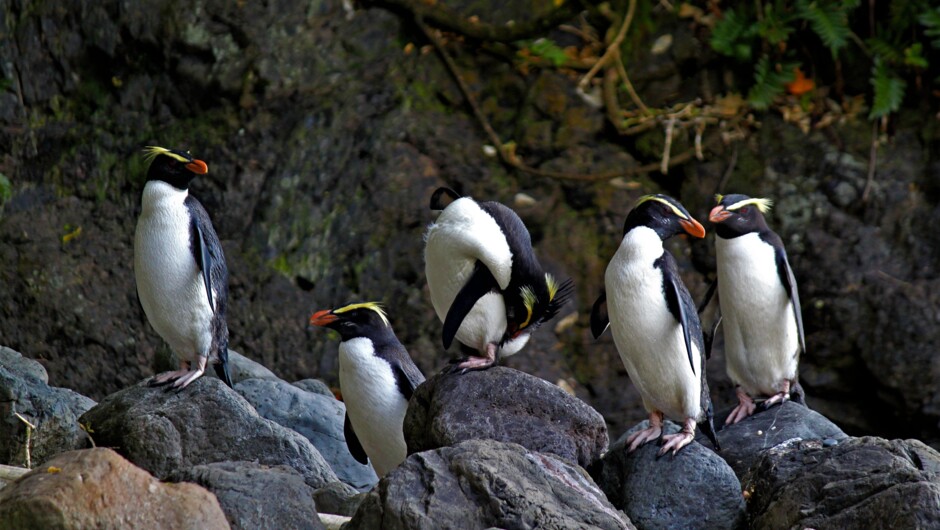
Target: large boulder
482 484
164 431
505 405
693 489
54 412
97 488
743 442
257 496
319 418
242 368
859 483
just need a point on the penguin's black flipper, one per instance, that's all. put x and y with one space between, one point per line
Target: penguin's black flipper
599 319
352 442
203 257
707 426
407 377
479 283
789 284
710 337
677 304
442 197
221 368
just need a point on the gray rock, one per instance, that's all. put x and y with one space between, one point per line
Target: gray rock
742 443
243 368
54 412
485 483
164 431
693 489
859 483
314 385
505 405
338 498
317 417
257 496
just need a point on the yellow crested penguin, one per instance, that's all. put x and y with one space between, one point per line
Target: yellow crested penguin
655 325
486 284
182 279
377 378
760 305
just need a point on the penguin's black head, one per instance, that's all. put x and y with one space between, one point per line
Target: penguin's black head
738 214
365 319
177 168
535 305
664 215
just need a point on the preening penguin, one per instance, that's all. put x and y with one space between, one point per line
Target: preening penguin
655 325
486 284
377 378
182 279
760 305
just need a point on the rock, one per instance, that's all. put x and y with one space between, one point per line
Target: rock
859 483
485 483
97 488
505 405
314 385
742 443
693 489
243 368
165 431
54 412
257 496
338 498
317 417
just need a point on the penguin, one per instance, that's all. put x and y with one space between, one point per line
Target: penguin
377 378
759 304
179 266
655 324
486 284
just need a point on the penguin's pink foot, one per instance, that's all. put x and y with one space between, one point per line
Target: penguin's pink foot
169 377
674 442
779 397
744 409
192 375
481 362
654 431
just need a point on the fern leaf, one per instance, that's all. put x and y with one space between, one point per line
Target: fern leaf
889 90
769 82
731 36
931 20
882 48
829 20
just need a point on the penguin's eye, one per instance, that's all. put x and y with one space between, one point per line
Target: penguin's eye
744 210
173 162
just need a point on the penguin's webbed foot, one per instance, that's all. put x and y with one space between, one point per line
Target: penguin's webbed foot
169 377
744 409
192 375
653 432
481 362
674 442
779 397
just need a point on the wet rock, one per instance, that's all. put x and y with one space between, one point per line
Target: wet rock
505 405
859 483
315 386
317 417
693 489
97 488
743 442
165 431
243 368
257 496
54 412
485 483
338 498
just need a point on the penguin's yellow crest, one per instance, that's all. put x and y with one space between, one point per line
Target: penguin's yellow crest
763 205
152 151
657 198
528 300
552 286
374 306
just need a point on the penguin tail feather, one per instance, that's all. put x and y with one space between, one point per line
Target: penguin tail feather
221 367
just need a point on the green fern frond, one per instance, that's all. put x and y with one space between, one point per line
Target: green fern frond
889 90
769 82
931 20
883 48
732 34
829 20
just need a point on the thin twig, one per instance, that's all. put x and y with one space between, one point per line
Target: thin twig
29 433
871 162
730 169
613 48
670 126
630 90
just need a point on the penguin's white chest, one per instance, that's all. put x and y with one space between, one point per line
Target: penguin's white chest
169 282
761 338
648 337
462 235
375 406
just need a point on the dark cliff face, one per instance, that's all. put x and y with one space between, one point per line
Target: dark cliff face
325 133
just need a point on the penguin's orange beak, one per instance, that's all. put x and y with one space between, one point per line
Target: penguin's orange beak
323 318
198 167
719 214
692 227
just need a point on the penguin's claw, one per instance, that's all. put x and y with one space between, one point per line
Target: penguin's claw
475 363
744 409
168 377
191 375
779 397
674 442
654 431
